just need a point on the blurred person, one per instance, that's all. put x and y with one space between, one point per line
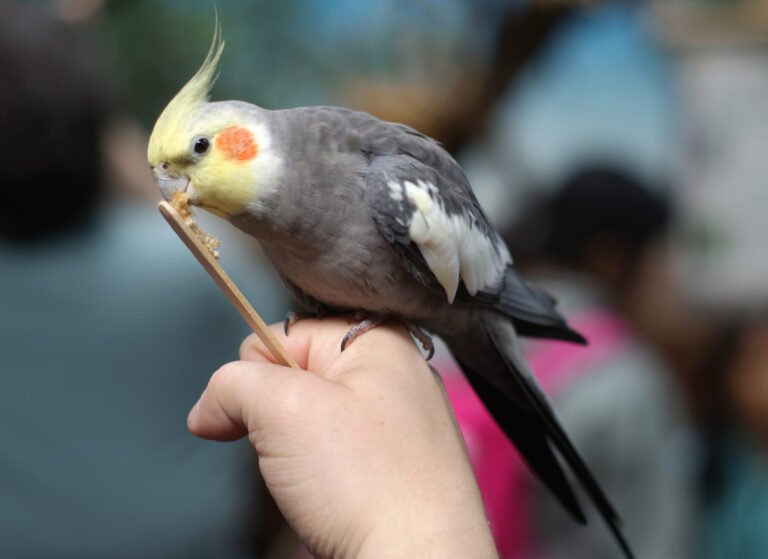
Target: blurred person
108 329
735 481
616 397
622 402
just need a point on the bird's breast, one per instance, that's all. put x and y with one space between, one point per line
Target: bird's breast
321 237
350 267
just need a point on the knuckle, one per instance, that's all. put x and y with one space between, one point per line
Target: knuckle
224 374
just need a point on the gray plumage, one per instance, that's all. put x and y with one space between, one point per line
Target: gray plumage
334 232
373 216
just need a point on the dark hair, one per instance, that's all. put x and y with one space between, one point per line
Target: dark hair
52 112
601 203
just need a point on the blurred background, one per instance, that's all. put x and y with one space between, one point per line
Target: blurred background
620 146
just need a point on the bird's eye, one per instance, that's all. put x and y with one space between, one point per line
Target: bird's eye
201 145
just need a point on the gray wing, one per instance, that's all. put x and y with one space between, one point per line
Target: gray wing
422 203
419 198
424 207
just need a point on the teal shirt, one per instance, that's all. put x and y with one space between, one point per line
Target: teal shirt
735 524
107 338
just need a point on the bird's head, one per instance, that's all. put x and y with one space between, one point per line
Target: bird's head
215 152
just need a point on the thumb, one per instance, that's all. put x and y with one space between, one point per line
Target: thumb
246 396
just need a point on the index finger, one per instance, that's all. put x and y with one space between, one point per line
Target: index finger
316 344
310 342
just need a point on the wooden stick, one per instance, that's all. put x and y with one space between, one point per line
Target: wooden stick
226 284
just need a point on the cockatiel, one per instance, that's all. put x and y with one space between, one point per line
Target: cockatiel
364 216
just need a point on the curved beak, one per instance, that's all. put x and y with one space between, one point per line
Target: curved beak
170 185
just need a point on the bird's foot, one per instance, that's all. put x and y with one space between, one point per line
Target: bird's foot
293 317
365 325
424 339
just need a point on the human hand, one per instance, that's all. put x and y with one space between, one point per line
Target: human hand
360 450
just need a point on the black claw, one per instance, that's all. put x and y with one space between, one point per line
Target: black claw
423 338
292 318
361 327
430 352
345 340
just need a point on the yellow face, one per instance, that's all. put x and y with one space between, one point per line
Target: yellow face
208 157
209 151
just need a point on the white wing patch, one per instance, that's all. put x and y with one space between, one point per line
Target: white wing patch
452 247
395 191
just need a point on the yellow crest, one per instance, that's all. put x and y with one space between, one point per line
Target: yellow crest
167 139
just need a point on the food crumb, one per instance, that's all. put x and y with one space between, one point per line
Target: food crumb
180 202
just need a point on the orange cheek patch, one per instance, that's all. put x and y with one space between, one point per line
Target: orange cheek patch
237 144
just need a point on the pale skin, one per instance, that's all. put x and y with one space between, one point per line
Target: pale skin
360 450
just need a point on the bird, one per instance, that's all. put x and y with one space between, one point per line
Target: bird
372 218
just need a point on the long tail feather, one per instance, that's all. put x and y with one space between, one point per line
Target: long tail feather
526 431
559 438
497 371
